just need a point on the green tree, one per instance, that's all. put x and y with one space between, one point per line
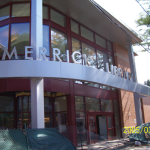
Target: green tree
147 82
144 24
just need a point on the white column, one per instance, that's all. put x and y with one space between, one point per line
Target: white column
37 84
37 103
133 71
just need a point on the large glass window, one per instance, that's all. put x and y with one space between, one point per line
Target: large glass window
60 104
74 27
59 40
20 37
87 34
20 10
109 46
100 41
46 38
45 12
58 18
92 104
106 105
6 104
4 32
76 47
100 60
6 120
4 12
90 55
79 102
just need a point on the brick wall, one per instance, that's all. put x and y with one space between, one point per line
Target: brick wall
126 99
146 109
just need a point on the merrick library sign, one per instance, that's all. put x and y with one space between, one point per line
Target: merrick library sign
59 69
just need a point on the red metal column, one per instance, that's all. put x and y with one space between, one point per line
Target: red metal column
72 114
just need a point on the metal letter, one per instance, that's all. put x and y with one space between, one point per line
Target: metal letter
125 75
115 71
67 53
107 67
9 56
119 72
56 54
73 57
85 62
112 72
43 51
28 52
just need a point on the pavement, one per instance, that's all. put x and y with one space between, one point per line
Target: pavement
122 144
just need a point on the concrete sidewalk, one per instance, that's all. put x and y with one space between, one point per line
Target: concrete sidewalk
114 144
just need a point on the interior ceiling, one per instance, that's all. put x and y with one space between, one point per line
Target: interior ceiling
87 14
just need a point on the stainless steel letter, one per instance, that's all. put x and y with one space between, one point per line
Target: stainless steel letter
28 52
56 54
43 51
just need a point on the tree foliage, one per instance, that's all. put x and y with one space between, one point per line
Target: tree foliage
147 82
144 23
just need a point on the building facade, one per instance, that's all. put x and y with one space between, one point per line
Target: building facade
60 73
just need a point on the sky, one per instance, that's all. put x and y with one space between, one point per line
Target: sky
128 11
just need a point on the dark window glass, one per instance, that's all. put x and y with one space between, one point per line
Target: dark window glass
115 106
20 10
47 104
48 119
79 102
45 12
20 37
25 104
46 38
109 119
117 120
59 40
76 47
4 31
100 60
60 104
4 12
92 104
82 138
58 18
6 104
29 103
19 121
25 120
20 104
90 55
100 41
87 34
6 121
80 120
74 27
109 45
61 121
106 105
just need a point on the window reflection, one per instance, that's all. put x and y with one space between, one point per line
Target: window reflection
58 18
4 13
74 27
76 47
100 60
46 38
19 10
87 33
79 103
106 105
4 31
19 37
59 40
90 55
92 104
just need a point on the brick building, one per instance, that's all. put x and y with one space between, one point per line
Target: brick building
67 64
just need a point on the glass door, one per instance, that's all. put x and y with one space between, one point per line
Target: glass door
92 129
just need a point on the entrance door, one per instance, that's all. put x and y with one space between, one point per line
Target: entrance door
92 129
110 127
102 126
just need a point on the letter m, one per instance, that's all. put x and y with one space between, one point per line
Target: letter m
9 56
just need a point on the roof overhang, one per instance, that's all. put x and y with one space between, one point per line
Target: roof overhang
86 13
